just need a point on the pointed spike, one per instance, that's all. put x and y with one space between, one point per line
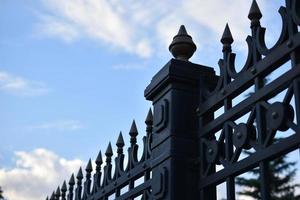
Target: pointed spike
72 180
99 160
120 142
182 30
89 167
149 118
133 130
254 12
79 174
47 198
109 151
58 191
227 36
52 196
64 187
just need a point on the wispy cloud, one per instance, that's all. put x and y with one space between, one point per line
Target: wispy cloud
20 86
55 28
35 174
59 125
143 27
105 21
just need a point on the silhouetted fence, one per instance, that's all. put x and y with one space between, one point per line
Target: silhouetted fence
202 123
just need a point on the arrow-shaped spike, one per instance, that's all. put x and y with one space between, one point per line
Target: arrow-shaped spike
89 167
64 187
109 151
133 130
79 174
99 160
52 196
120 142
149 118
57 192
72 180
227 36
254 12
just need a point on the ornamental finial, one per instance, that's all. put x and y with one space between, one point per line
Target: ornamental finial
182 46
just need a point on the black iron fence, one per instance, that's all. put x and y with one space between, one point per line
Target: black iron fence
198 134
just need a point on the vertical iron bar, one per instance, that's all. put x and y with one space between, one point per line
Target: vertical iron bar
255 16
261 131
117 191
229 151
210 192
227 40
295 60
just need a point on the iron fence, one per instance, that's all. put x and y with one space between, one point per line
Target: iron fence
197 135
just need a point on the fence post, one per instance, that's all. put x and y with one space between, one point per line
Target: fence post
175 92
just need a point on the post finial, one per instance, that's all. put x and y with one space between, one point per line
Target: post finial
182 46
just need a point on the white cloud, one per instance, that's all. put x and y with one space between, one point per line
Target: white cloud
95 19
59 125
36 174
144 27
19 86
52 27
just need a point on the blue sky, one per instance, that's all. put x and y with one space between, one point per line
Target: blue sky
73 72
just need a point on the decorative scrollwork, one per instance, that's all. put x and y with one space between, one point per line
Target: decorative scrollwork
249 61
260 40
278 115
290 17
212 151
242 136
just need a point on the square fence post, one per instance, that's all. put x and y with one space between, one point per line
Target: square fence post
175 93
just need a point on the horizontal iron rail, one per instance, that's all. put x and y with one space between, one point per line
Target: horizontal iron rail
136 191
283 147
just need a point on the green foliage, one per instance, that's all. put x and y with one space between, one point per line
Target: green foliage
281 176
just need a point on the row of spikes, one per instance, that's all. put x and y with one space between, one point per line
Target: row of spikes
88 189
256 42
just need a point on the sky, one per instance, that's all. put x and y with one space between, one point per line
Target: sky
73 73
